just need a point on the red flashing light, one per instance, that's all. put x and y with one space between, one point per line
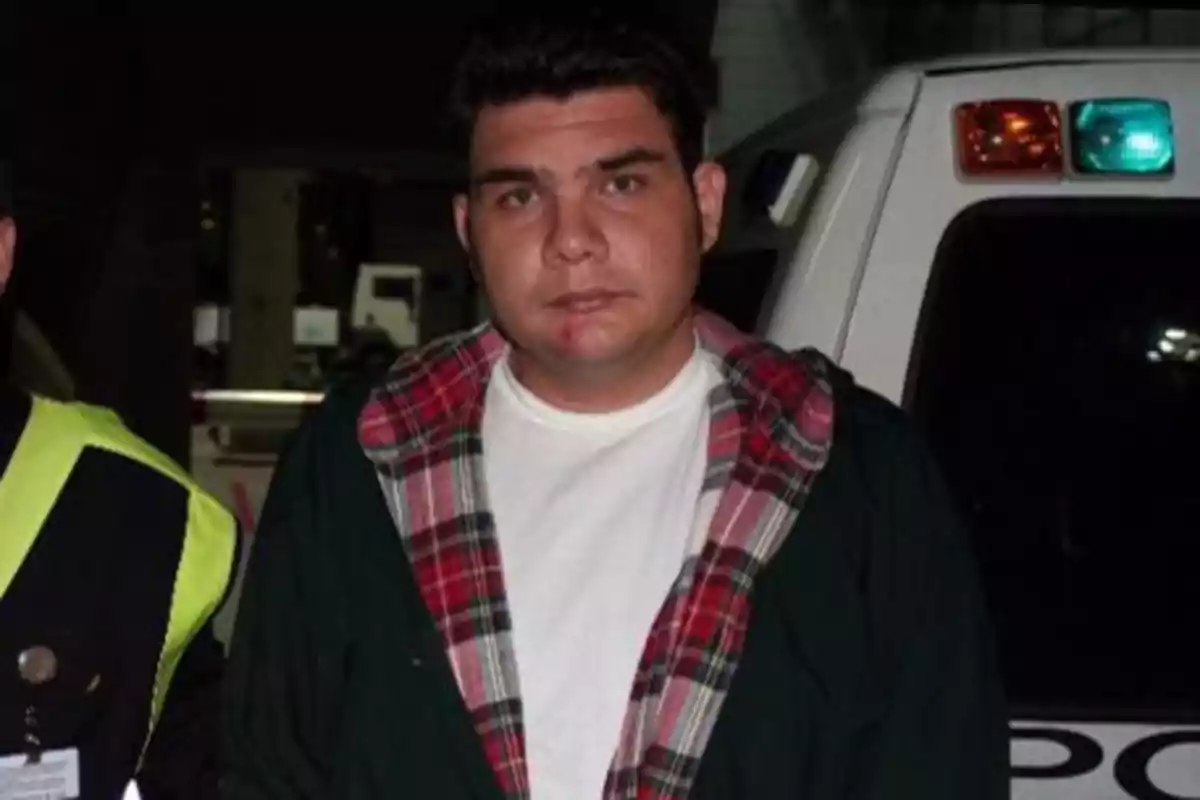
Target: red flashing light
1009 137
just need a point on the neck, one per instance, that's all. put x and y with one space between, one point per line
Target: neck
596 389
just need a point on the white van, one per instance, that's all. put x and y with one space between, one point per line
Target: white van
1007 246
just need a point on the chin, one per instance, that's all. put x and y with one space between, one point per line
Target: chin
587 349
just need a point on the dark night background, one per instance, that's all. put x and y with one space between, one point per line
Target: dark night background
98 99
115 114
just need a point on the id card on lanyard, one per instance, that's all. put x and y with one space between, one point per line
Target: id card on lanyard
54 775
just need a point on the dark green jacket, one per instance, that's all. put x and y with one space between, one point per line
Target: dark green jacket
868 672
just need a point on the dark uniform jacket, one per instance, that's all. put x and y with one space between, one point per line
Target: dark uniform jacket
96 590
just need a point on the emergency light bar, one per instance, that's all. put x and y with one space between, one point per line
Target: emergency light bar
1105 137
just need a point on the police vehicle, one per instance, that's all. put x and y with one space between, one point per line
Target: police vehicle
1007 247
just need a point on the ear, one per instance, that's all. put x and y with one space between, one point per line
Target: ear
708 181
462 220
8 247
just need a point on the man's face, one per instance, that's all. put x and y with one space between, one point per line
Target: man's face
8 246
586 231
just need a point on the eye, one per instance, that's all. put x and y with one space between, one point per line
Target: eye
516 198
624 184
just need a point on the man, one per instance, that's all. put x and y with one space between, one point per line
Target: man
606 546
111 564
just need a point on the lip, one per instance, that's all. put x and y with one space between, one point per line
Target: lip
586 301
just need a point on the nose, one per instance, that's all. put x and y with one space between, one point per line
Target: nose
574 236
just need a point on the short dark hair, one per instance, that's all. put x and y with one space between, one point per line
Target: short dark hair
520 55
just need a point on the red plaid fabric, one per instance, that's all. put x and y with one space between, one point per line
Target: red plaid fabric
770 435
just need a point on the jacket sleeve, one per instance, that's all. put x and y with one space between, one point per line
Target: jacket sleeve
181 759
287 654
942 731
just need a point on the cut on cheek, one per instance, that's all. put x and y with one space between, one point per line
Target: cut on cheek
574 334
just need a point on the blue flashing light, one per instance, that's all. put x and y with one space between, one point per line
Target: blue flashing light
1131 136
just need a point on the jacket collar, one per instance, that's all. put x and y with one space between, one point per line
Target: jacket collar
433 393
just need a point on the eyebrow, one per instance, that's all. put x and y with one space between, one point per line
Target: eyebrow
630 158
504 175
613 163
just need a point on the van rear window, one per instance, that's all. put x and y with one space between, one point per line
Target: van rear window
1057 373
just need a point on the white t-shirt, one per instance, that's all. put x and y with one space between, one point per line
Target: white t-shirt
594 514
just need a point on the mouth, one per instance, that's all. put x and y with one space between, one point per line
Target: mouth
586 302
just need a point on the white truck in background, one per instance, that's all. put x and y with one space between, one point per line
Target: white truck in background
1005 246
387 297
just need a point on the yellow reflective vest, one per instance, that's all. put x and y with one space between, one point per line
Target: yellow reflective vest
53 440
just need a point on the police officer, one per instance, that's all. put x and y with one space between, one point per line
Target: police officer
112 564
